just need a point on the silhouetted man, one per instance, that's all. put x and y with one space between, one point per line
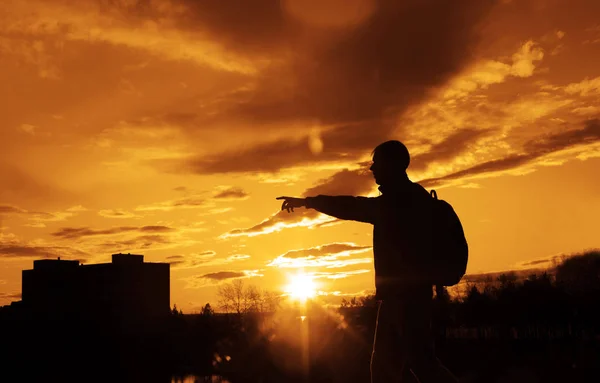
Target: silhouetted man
401 218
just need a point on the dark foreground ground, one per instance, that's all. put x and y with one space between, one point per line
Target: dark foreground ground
326 348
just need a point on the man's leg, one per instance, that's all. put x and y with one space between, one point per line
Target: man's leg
387 364
419 343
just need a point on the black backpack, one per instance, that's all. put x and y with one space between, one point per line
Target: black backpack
450 249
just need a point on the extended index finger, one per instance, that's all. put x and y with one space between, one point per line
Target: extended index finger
283 197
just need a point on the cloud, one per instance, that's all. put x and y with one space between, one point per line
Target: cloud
217 277
136 243
222 275
338 274
12 247
359 181
38 218
453 145
333 255
346 182
484 73
587 87
10 209
32 251
117 213
352 74
351 82
278 222
229 193
338 249
587 110
192 202
81 232
532 150
548 262
154 28
203 259
265 157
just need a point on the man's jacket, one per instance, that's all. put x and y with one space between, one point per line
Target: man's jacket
401 218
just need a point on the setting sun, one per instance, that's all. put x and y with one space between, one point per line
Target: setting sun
301 287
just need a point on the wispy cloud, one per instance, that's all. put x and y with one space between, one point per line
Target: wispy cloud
586 87
81 232
338 274
346 182
38 218
230 193
203 259
128 238
482 74
117 213
13 247
217 277
96 22
532 150
192 202
333 255
222 275
278 222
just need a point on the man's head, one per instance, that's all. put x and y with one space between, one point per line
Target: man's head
390 161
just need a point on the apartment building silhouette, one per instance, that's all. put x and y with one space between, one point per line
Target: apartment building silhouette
125 294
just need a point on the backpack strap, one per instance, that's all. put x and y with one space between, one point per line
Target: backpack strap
433 194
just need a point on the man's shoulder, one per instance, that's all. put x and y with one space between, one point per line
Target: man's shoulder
418 189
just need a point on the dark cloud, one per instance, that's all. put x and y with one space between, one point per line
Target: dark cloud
81 232
356 80
156 229
537 262
9 209
18 250
175 259
222 275
231 193
532 150
268 157
192 202
34 215
548 261
141 242
347 143
117 213
388 62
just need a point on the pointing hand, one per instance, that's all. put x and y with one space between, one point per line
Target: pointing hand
290 203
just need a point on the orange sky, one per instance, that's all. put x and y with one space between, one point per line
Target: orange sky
167 128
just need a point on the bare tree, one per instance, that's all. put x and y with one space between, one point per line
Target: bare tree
237 297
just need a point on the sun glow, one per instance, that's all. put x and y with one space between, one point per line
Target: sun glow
301 287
